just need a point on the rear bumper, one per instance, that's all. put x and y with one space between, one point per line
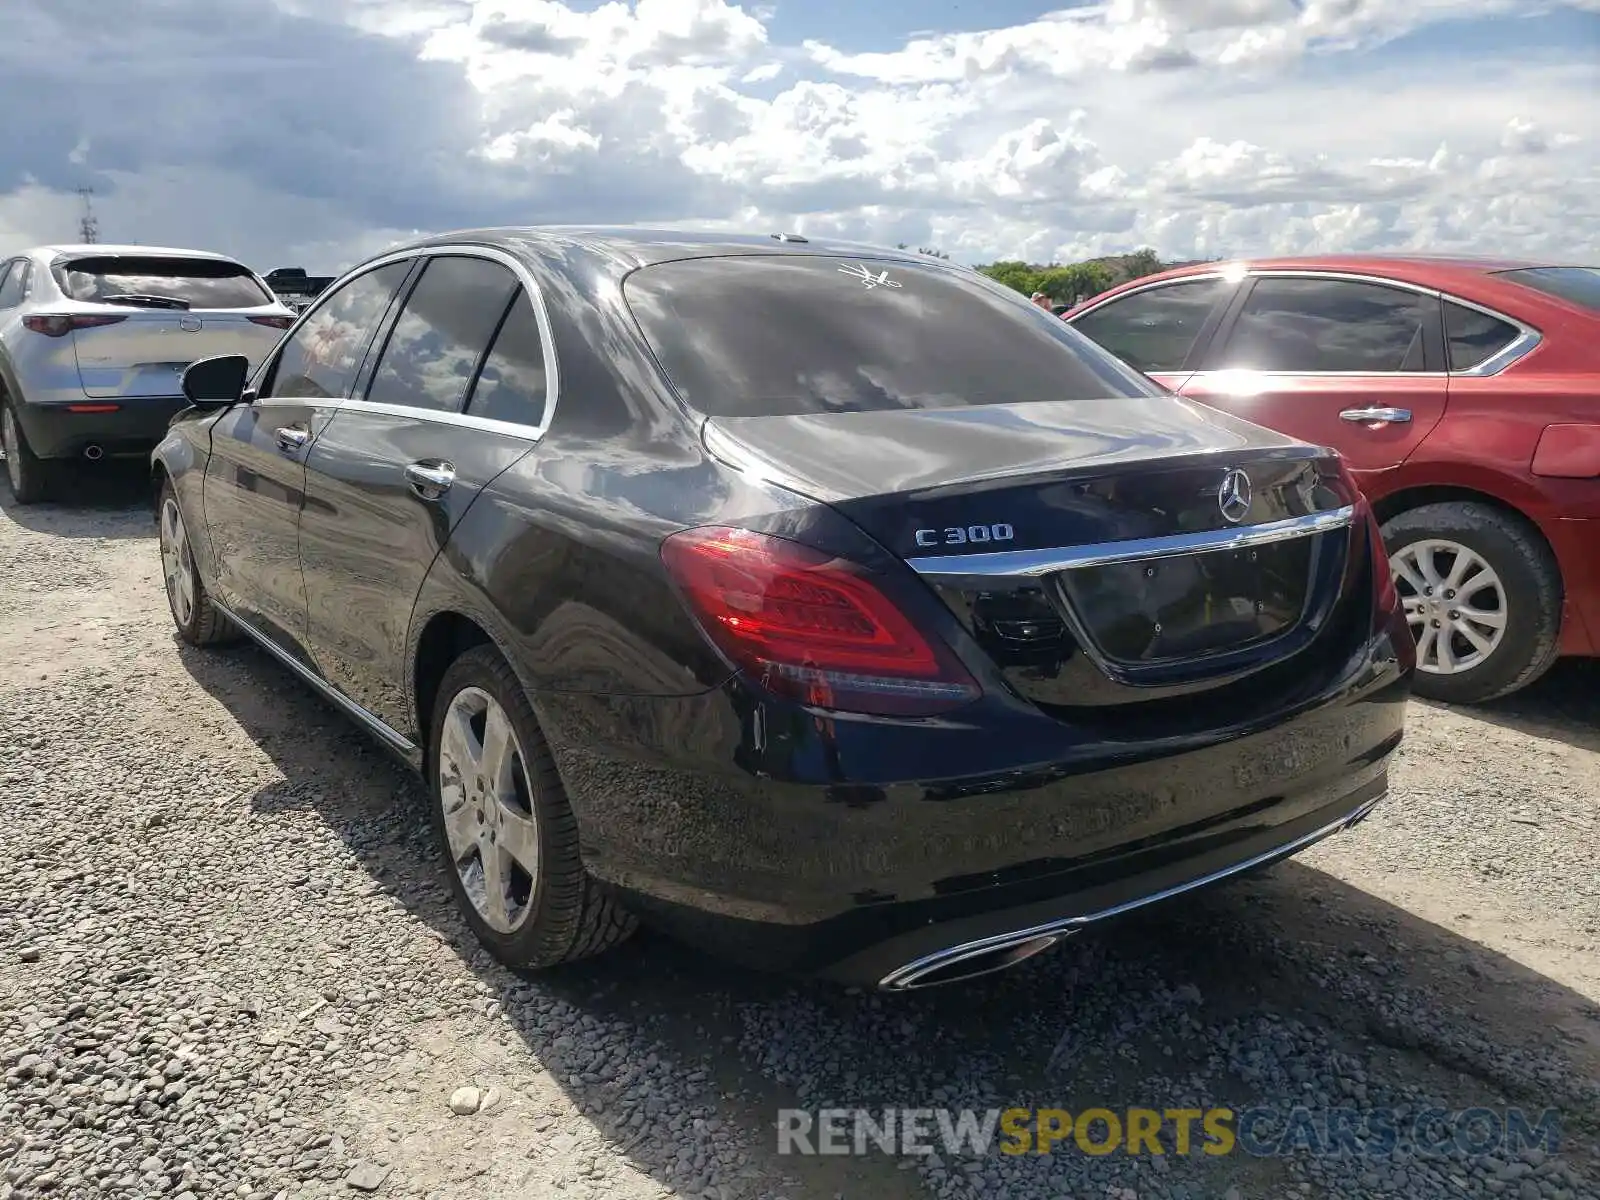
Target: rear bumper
53 430
1576 543
850 850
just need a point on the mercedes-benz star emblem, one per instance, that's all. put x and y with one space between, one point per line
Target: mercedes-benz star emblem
1233 497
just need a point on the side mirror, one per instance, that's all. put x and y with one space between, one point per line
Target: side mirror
216 382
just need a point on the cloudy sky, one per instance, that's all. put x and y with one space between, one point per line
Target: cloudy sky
313 132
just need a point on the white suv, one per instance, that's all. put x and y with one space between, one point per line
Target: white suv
94 341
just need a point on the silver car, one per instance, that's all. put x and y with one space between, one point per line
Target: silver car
94 341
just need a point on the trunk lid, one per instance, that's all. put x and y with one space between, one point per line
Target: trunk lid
1085 545
145 353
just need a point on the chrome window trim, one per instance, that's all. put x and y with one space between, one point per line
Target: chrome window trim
1519 347
1149 287
541 312
1033 564
1403 285
1493 365
1321 374
1528 339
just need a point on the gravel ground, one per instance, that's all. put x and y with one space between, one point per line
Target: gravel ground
229 966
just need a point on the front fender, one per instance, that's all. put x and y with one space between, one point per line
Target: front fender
181 456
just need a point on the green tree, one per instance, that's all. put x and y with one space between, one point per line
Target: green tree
1018 276
1142 262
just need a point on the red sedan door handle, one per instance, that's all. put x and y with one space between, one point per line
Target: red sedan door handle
1376 416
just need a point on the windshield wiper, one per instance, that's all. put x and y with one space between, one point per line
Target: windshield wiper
143 300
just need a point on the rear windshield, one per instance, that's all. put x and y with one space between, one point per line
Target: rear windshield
780 335
197 282
1576 285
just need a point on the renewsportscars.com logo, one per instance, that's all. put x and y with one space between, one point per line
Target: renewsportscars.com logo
1263 1132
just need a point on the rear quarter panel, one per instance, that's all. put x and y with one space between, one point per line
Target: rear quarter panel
1486 444
559 559
1492 427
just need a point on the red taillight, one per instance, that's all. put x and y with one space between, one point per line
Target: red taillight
811 627
93 408
61 324
274 322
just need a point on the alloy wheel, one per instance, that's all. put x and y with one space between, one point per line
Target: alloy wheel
1454 602
177 563
489 818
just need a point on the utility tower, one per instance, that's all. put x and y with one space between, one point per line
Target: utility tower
88 224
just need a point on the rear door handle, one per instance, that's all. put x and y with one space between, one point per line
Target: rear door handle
430 480
1376 416
292 438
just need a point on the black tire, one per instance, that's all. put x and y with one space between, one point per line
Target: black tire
27 473
568 915
204 624
1531 584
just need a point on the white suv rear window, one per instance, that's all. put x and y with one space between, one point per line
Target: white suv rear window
194 282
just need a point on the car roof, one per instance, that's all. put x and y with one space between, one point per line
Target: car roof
1418 268
637 246
86 249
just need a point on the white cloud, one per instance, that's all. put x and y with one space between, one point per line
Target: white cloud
314 131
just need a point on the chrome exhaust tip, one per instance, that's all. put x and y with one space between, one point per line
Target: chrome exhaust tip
93 453
959 965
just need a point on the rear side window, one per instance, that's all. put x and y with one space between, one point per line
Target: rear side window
1473 336
1576 285
1155 329
1322 325
321 357
441 334
779 335
197 282
12 277
512 384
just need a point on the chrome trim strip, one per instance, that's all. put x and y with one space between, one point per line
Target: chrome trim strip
1253 373
1403 285
1035 563
904 978
1526 341
372 723
541 312
1524 344
1150 287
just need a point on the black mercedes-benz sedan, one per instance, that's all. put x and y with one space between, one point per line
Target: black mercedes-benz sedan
832 608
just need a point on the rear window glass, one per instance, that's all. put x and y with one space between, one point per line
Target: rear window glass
197 282
771 335
1576 285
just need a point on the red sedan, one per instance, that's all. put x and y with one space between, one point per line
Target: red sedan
1464 393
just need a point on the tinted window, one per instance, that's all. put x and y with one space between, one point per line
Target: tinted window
442 332
1155 329
322 356
1578 285
512 385
10 284
758 335
1328 325
197 282
1474 336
